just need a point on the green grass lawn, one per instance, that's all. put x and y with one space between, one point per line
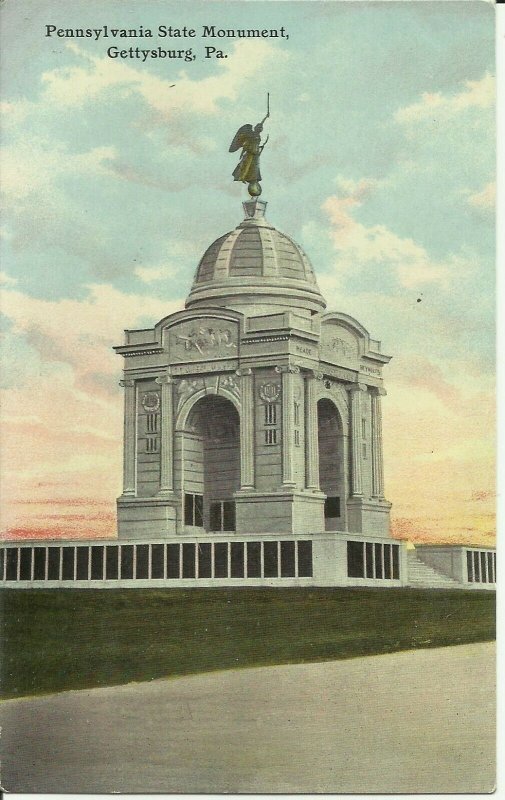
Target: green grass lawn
73 639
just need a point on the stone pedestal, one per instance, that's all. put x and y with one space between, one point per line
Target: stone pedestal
146 517
370 518
280 512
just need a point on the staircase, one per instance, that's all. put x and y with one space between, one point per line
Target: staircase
420 575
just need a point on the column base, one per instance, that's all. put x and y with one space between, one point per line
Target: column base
370 517
147 517
285 511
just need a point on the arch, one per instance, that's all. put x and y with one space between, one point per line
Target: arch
206 391
332 447
211 312
347 321
338 396
209 462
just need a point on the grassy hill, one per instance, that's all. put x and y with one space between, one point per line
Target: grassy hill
54 640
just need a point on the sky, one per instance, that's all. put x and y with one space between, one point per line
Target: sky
116 177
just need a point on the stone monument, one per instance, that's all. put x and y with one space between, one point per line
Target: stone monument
254 410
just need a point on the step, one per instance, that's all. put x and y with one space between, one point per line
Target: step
421 574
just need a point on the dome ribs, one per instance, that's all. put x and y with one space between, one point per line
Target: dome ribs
271 267
223 260
256 259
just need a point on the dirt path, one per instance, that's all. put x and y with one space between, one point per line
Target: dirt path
409 722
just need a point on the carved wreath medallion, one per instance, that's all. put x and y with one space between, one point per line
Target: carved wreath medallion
151 401
269 392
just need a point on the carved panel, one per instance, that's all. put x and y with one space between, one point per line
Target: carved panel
186 388
230 382
340 393
212 384
198 340
339 345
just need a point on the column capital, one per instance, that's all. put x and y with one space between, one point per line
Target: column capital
127 383
357 387
243 372
290 368
315 374
164 379
378 391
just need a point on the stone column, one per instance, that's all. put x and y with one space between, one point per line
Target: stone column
129 434
311 431
247 480
287 373
167 435
356 390
377 457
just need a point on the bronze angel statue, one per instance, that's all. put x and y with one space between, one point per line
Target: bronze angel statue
248 168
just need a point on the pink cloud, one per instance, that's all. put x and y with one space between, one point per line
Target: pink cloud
61 426
81 333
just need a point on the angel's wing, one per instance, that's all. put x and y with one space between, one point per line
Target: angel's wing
240 137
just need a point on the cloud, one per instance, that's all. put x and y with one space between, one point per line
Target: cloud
42 214
157 273
81 333
61 417
13 113
7 280
34 165
56 438
439 451
357 245
100 211
435 106
54 197
357 191
485 199
77 86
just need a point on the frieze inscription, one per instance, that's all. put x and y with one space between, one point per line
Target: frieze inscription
216 366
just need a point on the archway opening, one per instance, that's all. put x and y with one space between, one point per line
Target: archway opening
331 464
211 470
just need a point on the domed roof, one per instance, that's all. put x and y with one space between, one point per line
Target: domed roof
255 264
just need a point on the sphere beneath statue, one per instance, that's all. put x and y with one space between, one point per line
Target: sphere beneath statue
254 189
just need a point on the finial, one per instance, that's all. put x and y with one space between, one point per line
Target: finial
248 168
254 209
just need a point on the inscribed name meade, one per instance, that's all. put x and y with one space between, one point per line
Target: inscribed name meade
164 31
